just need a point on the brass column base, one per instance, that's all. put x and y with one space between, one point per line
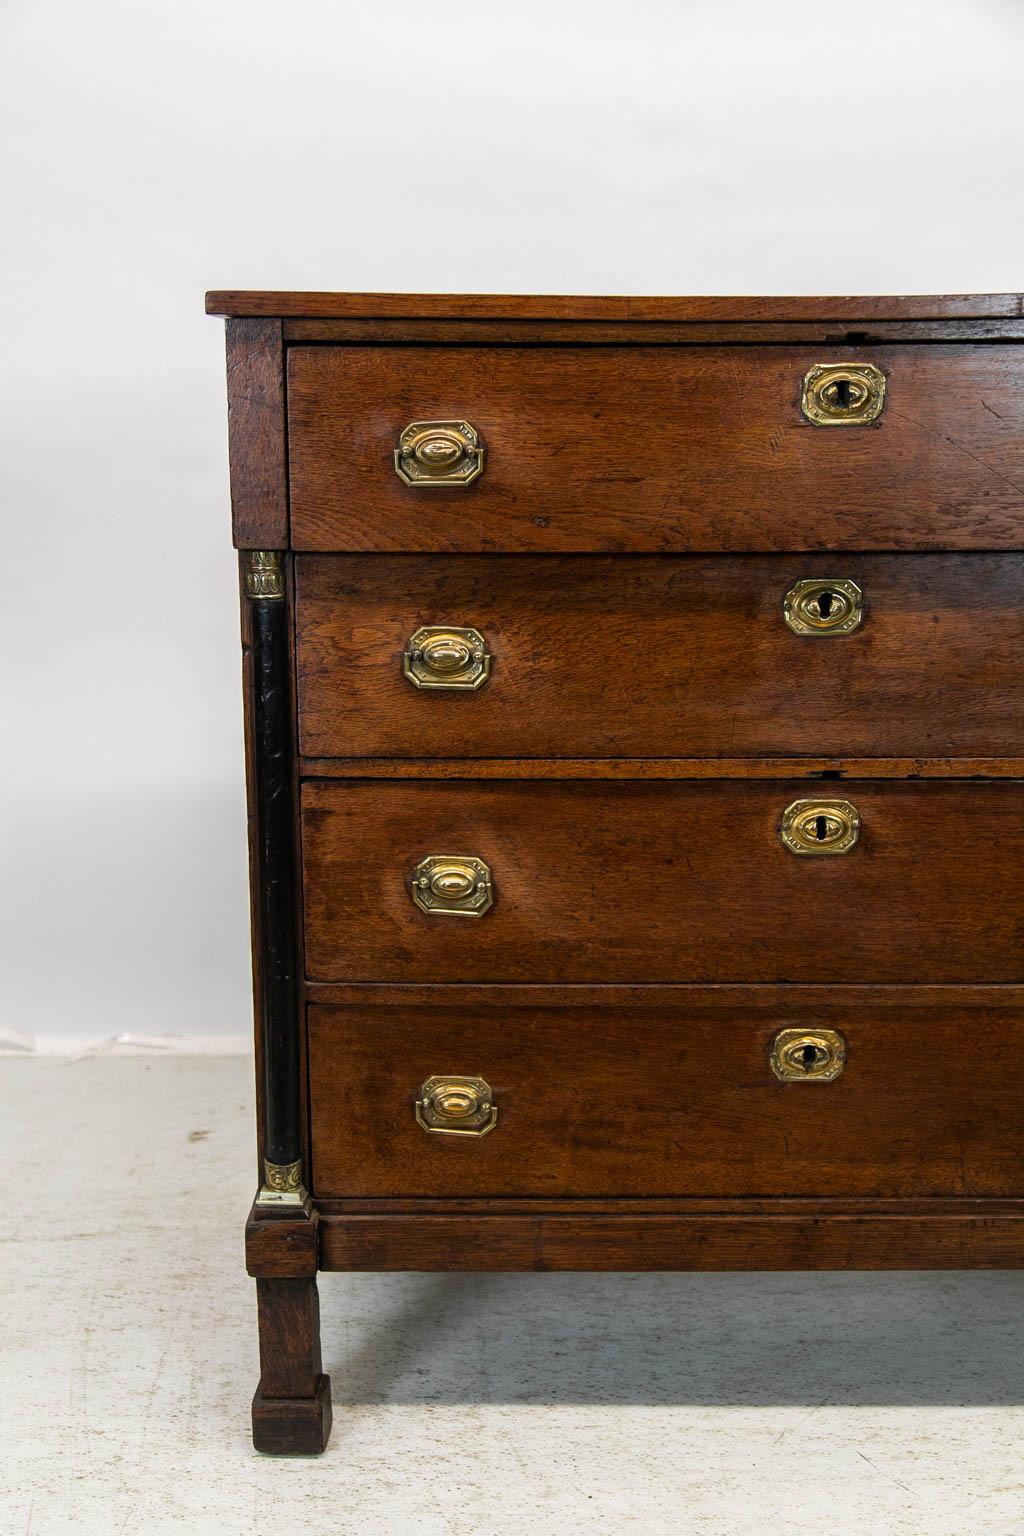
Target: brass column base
282 1184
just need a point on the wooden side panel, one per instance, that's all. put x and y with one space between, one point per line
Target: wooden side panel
663 657
657 450
620 881
596 1102
256 434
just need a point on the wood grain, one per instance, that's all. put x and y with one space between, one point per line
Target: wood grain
256 434
597 1102
657 450
618 881
282 1243
807 997
822 769
650 1242
584 307
653 333
664 657
291 1411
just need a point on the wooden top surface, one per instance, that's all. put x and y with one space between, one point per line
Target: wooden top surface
488 306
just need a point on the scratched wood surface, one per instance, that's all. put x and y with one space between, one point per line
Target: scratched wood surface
663 657
592 1101
657 450
619 881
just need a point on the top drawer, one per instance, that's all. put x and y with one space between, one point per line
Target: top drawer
658 449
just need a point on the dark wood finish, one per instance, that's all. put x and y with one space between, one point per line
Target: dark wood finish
291 1412
521 306
648 1242
651 490
656 450
653 333
597 1102
252 840
819 768
256 434
282 1244
667 1205
650 882
807 998
273 769
664 657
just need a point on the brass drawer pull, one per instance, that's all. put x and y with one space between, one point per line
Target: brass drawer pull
819 827
452 884
823 607
843 394
808 1055
441 656
456 1106
439 453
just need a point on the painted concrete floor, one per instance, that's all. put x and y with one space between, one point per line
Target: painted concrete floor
731 1405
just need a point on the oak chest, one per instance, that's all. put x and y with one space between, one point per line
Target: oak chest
635 731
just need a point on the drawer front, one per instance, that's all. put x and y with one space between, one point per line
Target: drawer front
666 657
656 882
654 449
648 1101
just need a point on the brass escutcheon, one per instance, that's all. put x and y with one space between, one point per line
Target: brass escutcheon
452 884
440 656
823 607
808 1055
819 827
439 453
843 394
456 1106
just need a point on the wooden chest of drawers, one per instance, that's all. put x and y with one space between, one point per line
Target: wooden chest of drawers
635 728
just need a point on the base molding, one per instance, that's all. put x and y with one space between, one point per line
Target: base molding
629 1240
292 1426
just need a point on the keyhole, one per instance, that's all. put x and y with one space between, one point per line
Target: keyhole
809 1056
821 833
842 393
825 604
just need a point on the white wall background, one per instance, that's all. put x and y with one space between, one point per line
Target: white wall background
153 150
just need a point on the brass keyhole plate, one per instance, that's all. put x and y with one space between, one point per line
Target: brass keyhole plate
843 394
818 827
808 1055
820 606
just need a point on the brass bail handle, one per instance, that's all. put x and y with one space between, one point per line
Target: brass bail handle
456 1106
439 453
452 885
447 659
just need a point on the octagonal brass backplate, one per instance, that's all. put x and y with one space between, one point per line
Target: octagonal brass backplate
443 657
819 827
808 1055
439 453
456 1106
843 394
823 606
453 885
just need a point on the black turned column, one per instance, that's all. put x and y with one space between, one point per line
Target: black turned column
272 752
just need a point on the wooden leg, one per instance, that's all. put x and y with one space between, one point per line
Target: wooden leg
291 1412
